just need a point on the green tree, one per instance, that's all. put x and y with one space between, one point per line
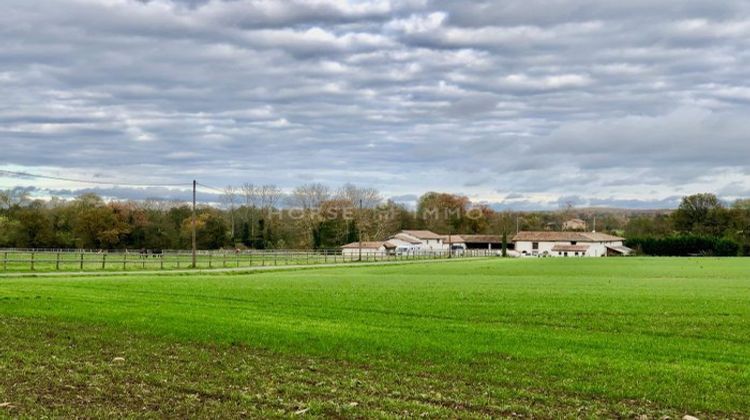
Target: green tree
211 230
33 229
701 213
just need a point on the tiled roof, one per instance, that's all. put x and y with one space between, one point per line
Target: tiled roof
565 237
493 239
570 248
390 245
454 239
406 238
365 245
422 234
621 249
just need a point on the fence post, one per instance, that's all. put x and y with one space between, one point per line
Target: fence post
124 261
5 261
210 264
57 262
32 260
224 259
104 261
161 261
81 261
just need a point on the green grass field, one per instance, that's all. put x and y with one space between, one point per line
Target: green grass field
480 338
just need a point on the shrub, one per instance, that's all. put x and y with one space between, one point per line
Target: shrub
684 245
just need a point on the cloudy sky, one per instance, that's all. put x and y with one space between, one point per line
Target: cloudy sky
522 103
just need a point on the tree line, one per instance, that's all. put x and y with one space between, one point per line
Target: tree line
253 216
701 225
317 216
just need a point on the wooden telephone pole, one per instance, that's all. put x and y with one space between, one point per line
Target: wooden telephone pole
193 224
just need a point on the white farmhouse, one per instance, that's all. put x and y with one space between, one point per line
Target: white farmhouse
419 240
569 244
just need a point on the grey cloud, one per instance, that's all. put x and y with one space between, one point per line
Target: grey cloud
562 98
133 193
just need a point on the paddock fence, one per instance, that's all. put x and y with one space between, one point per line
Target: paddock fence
46 260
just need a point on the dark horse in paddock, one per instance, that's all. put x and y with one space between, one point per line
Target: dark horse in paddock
152 252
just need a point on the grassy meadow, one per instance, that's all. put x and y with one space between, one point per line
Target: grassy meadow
617 337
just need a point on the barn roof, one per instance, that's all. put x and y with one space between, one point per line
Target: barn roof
406 238
454 239
492 239
570 248
621 249
422 234
565 237
367 245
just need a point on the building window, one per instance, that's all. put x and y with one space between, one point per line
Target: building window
535 245
573 242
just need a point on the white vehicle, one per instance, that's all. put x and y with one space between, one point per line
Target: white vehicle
406 250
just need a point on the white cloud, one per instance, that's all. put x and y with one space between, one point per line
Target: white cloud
544 98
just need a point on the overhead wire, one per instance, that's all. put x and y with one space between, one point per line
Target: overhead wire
219 190
16 174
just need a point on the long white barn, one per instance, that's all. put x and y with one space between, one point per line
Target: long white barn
424 241
569 244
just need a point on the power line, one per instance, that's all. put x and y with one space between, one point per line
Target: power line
15 174
219 190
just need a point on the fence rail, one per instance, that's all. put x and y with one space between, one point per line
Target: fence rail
24 260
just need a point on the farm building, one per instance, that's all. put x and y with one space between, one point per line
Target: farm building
368 248
474 241
416 241
429 241
406 241
421 240
483 241
569 244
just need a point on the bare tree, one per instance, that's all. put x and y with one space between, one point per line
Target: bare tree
9 198
269 196
229 198
309 196
250 193
370 196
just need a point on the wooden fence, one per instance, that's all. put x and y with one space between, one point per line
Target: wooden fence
24 260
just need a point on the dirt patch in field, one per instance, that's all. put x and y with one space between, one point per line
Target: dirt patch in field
65 369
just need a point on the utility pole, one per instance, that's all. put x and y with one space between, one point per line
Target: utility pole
359 228
193 224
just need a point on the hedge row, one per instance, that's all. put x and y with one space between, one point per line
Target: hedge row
685 245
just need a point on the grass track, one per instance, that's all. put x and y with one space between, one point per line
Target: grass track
549 338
